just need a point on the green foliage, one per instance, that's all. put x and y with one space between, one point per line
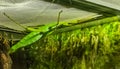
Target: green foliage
96 47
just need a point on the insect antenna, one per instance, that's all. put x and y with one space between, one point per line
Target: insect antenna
14 21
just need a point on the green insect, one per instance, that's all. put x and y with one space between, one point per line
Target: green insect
36 34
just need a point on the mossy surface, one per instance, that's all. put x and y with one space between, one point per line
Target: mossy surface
96 47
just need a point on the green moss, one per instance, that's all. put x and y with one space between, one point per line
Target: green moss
94 47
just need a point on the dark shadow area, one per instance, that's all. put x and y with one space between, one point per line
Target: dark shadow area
19 61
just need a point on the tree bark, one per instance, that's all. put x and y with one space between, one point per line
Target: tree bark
5 59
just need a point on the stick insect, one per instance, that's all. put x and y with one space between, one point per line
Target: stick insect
36 34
